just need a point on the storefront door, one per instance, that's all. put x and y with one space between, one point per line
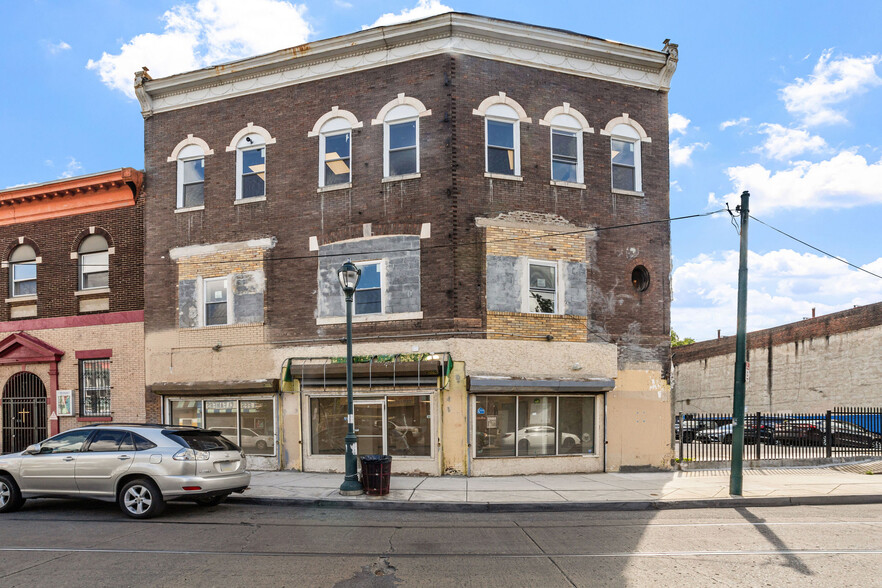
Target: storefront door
369 429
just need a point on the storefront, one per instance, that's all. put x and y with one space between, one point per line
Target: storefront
245 413
394 406
536 426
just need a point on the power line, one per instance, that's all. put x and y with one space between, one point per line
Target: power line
837 258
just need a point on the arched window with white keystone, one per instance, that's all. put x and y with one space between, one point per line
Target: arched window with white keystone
189 155
626 137
401 135
502 135
93 256
250 147
567 159
23 271
334 131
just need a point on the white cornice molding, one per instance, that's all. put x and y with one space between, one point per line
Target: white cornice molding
452 33
185 252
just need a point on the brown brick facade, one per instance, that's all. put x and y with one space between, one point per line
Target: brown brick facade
451 192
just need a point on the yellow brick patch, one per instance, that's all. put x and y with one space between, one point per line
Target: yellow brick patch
220 264
505 325
535 243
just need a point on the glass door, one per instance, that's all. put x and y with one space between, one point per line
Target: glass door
369 419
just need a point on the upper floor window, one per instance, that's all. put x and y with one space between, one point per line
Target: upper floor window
23 271
626 137
250 167
250 147
191 177
216 297
567 126
94 263
502 134
543 287
401 135
334 130
189 156
369 292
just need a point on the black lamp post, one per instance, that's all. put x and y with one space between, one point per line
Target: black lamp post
349 275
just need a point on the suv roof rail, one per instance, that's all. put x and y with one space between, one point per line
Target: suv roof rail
145 425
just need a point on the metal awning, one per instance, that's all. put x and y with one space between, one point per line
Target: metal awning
507 385
215 388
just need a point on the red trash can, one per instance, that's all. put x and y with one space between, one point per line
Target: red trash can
376 474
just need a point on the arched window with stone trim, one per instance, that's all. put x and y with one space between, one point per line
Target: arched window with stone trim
334 130
567 159
251 168
189 156
401 135
23 271
502 134
626 159
93 256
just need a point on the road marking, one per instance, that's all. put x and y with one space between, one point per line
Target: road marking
758 552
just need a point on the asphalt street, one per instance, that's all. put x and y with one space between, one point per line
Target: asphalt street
71 543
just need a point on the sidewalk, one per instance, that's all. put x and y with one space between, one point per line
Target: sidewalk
843 484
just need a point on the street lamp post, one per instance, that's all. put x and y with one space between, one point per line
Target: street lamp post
348 274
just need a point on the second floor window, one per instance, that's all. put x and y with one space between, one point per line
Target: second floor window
94 262
369 292
216 298
335 153
23 271
401 130
95 387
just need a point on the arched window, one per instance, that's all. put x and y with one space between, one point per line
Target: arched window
567 126
401 131
94 263
335 152
191 177
23 271
626 137
250 167
502 134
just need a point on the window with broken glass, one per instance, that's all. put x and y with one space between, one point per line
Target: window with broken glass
336 167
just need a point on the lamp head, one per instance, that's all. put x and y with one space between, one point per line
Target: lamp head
348 274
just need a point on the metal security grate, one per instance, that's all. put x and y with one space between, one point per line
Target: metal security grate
95 387
24 412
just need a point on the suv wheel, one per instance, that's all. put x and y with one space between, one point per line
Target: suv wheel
141 499
10 496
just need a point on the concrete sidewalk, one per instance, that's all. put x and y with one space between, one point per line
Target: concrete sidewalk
843 484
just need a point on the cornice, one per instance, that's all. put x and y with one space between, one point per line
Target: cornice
452 33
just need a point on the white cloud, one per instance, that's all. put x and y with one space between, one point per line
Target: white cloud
734 123
833 80
19 185
844 181
783 287
72 168
207 33
675 186
56 48
682 154
678 123
342 4
784 143
423 9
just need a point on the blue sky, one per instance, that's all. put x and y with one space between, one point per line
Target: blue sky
779 98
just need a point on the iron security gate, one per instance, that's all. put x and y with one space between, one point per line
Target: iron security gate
24 412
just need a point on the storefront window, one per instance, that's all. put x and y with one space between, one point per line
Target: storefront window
546 425
328 425
495 426
185 413
408 428
256 427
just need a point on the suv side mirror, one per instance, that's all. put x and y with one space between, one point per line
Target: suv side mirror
33 449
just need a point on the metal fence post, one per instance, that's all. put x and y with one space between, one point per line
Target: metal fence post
828 434
681 438
759 437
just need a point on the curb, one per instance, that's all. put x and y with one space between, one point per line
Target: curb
515 507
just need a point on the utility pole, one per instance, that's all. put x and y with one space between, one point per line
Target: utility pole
736 475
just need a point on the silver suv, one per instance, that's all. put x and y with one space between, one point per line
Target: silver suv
138 466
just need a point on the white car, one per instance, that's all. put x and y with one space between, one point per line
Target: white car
539 439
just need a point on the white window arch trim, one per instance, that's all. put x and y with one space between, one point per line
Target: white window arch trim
189 153
248 143
624 128
334 127
399 112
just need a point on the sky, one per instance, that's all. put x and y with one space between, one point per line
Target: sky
777 98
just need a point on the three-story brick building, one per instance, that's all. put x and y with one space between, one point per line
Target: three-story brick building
482 174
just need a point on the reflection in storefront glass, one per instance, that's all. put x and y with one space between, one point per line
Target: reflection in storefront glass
186 413
495 426
408 428
537 416
256 427
328 417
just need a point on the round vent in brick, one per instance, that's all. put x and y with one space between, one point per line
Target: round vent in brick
640 278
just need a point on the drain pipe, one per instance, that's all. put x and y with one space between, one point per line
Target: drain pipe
468 435
604 432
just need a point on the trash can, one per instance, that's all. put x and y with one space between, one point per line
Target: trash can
376 474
